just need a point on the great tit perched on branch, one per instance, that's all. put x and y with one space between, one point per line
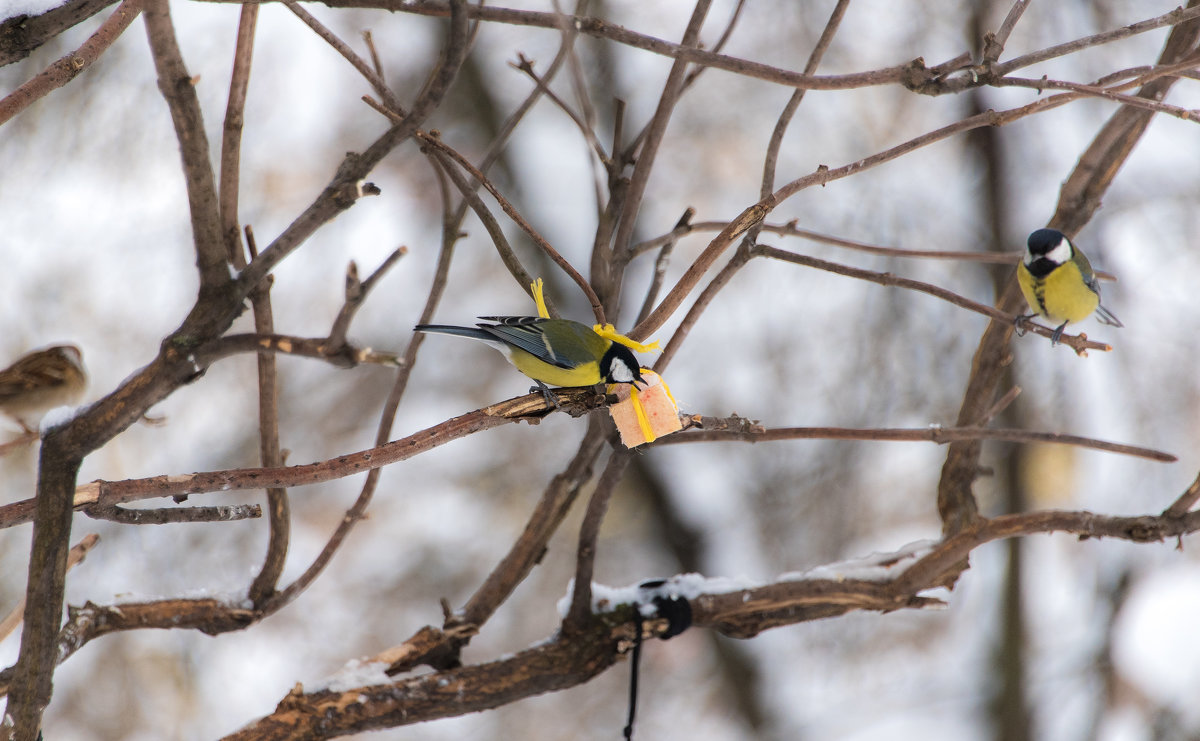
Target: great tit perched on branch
559 352
1058 282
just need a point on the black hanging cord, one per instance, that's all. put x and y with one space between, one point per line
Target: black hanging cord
633 670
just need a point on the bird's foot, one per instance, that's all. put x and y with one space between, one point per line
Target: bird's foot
1057 335
1019 323
547 394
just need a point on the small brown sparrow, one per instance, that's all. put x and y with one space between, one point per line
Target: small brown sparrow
41 381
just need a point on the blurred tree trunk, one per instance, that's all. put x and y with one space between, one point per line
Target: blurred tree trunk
1008 706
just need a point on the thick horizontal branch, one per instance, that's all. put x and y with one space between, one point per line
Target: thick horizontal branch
934 568
557 664
891 582
85 624
530 408
743 613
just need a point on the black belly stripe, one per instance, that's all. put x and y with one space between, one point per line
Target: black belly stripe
1039 292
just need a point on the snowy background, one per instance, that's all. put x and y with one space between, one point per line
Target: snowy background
96 250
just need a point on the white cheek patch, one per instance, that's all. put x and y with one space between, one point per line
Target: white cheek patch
621 373
1060 254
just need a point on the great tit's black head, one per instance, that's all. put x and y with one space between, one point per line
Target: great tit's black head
1048 244
620 365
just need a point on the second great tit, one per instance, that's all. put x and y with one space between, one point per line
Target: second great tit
1058 282
558 352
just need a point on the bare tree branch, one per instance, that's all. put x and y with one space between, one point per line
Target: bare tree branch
575 656
177 89
589 532
609 261
68 68
231 136
1080 344
75 556
435 142
126 516
21 34
710 429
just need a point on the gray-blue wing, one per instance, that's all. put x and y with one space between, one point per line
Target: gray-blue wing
526 333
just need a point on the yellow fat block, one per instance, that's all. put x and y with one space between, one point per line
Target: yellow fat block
659 413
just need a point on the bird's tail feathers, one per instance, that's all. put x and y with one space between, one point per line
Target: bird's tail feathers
472 332
1106 317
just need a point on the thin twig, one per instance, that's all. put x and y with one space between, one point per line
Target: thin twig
358 510
912 73
356 294
660 268
513 214
524 65
583 99
789 110
347 185
589 532
75 556
740 258
172 515
711 430
1186 500
179 91
1001 404
630 151
551 509
647 155
1154 106
269 449
1173 18
755 213
726 35
790 229
345 356
444 169
994 43
1078 343
507 255
25 438
370 74
231 137
376 62
915 75
440 648
498 144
